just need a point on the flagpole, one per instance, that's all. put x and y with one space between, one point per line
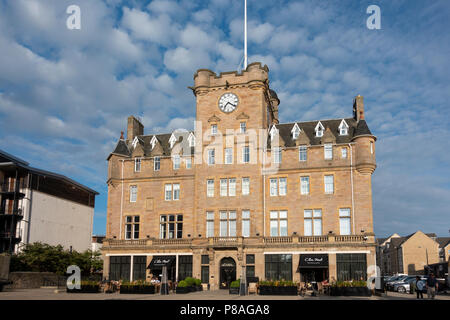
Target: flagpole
245 34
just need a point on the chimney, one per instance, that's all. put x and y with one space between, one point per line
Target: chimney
135 128
358 108
275 103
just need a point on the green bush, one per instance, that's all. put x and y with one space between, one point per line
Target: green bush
190 281
182 284
350 284
236 284
198 282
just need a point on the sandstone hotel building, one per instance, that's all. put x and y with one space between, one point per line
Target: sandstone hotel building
242 192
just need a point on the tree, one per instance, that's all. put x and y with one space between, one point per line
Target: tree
41 257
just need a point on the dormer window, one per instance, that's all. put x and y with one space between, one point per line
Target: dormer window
191 140
153 142
295 131
135 142
273 132
172 140
319 129
343 128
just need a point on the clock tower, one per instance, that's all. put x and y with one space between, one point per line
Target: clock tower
230 98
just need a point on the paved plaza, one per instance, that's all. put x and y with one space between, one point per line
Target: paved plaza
60 294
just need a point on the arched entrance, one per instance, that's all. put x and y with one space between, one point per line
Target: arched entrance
227 272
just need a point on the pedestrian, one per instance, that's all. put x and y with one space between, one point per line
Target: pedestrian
419 287
431 286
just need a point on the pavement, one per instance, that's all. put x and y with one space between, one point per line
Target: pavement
52 293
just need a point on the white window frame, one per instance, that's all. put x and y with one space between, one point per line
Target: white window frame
345 222
243 127
279 219
277 155
223 187
232 187
328 185
137 164
304 187
214 129
156 163
313 219
133 193
245 151
282 190
273 187
176 161
328 151
188 162
302 150
133 225
246 223
210 188
168 192
245 186
344 152
228 155
211 157
319 129
209 224
228 222
176 191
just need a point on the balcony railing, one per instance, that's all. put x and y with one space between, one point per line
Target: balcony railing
278 239
313 239
239 241
170 241
350 238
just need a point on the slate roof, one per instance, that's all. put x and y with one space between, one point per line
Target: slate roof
124 147
443 241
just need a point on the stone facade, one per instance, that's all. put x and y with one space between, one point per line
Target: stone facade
258 110
408 255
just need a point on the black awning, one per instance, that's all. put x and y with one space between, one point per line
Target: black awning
161 261
313 261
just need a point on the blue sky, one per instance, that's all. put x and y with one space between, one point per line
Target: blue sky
65 94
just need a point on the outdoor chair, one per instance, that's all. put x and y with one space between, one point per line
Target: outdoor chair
320 288
252 288
301 289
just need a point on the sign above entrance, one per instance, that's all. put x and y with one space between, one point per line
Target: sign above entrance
162 261
313 261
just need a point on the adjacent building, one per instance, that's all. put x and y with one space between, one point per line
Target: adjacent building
407 255
242 193
42 206
97 243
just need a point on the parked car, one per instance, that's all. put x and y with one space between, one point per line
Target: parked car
390 284
405 286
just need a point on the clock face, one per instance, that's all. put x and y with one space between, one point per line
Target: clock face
228 102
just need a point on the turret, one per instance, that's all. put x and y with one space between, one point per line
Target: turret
364 139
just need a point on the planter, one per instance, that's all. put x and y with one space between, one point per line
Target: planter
199 288
278 291
137 289
350 291
85 289
183 290
234 290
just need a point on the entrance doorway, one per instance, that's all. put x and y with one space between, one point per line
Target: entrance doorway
227 272
311 275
